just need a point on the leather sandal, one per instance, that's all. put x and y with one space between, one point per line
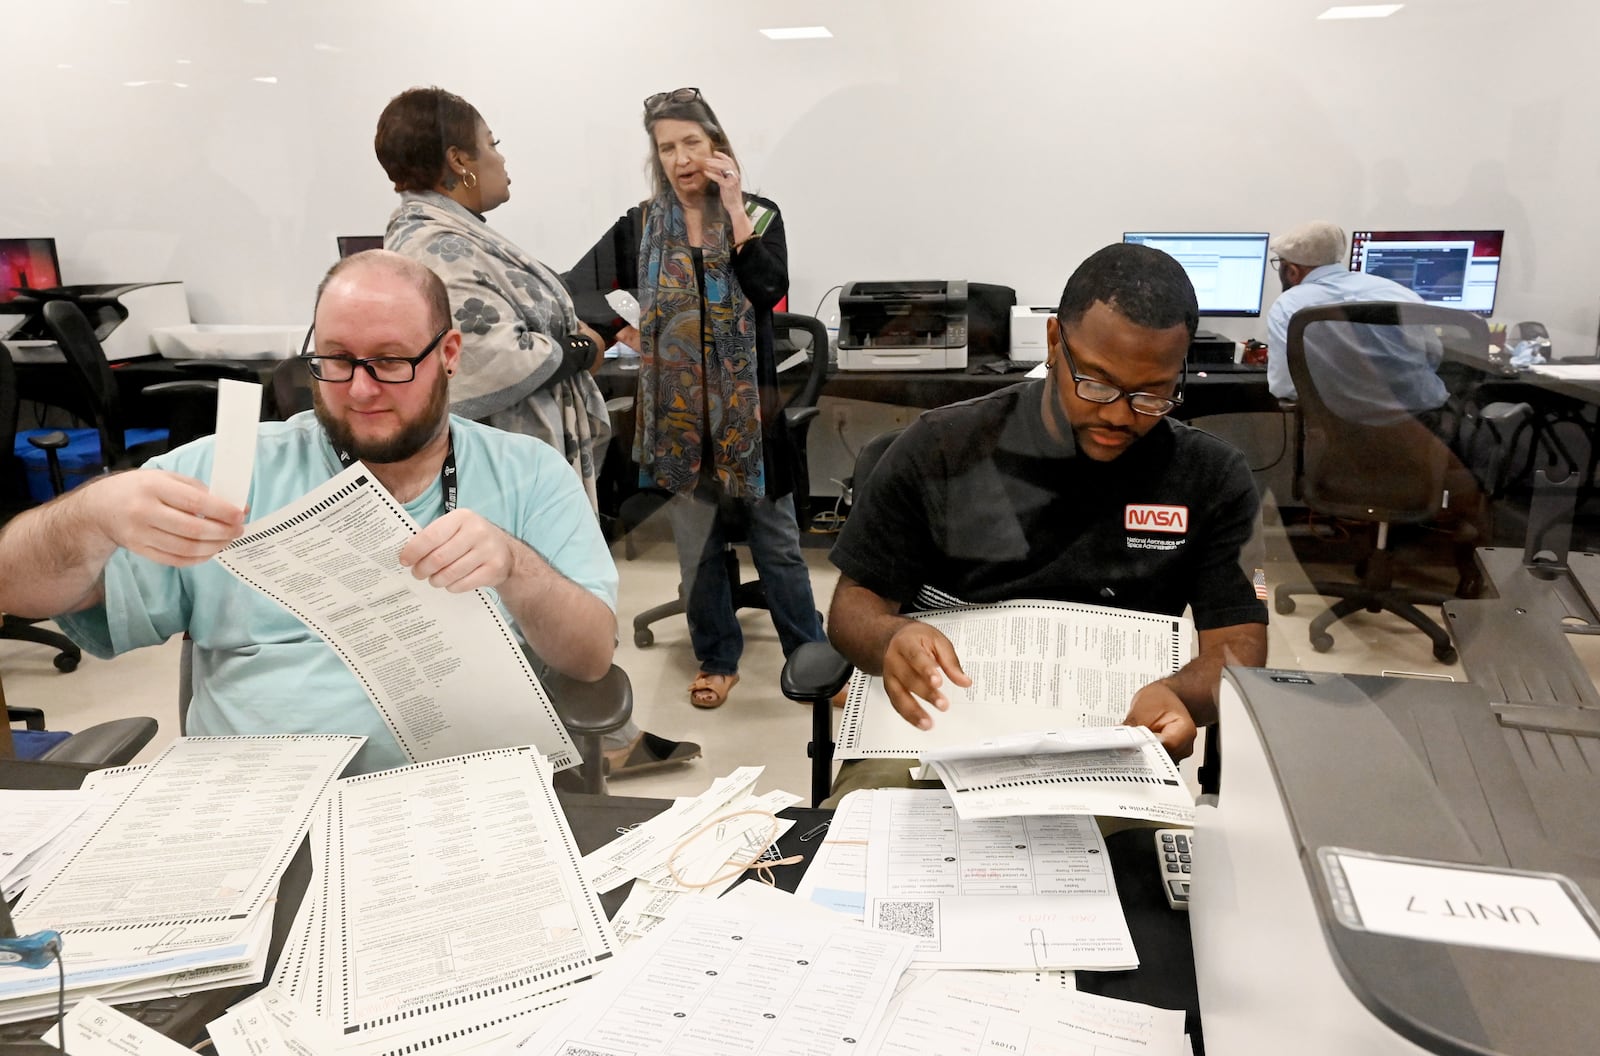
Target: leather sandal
711 691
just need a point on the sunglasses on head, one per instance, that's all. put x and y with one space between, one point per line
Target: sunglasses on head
677 95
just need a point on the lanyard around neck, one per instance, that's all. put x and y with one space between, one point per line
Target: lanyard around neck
447 472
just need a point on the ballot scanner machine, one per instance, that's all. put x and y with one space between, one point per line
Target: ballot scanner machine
1397 865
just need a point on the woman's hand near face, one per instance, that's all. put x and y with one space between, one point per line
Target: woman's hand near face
722 171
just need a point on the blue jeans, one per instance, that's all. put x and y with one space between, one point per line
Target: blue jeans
774 540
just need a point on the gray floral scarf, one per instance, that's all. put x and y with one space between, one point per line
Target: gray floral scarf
512 312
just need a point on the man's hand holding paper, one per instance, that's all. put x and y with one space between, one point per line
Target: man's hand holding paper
1158 707
461 551
166 517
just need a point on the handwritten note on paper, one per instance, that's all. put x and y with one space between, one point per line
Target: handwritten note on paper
1442 902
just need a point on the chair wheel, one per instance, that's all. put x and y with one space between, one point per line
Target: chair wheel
644 637
1284 604
66 663
1445 654
1322 642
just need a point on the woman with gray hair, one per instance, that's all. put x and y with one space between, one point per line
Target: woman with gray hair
710 264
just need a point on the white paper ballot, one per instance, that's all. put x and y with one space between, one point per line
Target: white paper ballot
95 1029
723 981
115 899
998 894
1119 771
996 1014
444 670
1443 902
1034 665
836 875
233 452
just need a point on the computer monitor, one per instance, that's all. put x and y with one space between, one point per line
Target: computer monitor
1227 268
27 263
1458 269
350 245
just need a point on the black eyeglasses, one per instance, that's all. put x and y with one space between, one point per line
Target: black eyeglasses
1096 391
677 95
391 370
1276 262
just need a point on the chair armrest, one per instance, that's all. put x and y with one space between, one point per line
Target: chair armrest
111 743
52 441
179 389
800 416
31 718
814 673
593 708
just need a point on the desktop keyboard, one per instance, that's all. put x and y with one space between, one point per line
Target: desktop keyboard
1174 850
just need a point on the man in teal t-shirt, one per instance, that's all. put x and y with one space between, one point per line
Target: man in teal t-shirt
127 557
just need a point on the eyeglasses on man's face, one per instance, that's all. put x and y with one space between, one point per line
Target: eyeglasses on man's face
1096 391
677 95
1276 262
391 370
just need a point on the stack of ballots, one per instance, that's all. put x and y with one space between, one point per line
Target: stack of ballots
446 910
170 885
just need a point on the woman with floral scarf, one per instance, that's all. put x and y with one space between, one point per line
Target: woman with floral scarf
710 263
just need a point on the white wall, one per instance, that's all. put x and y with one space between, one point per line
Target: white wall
998 141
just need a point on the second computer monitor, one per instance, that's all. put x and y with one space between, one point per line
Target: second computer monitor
1458 269
27 263
1227 268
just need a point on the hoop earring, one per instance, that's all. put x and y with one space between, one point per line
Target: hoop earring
470 179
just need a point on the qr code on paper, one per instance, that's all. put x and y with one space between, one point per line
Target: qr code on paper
918 917
575 1049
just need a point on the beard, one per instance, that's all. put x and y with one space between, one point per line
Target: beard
413 436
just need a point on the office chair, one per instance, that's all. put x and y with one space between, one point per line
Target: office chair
794 334
17 628
1366 456
815 672
589 710
111 743
191 404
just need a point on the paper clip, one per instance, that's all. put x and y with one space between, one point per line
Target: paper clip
813 832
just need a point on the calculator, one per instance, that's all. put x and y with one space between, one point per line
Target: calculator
1175 851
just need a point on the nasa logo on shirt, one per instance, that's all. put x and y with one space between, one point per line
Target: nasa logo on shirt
1166 522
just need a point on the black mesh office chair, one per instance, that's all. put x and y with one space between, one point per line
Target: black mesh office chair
794 335
1376 445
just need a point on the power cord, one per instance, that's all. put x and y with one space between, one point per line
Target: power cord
1283 448
816 312
37 951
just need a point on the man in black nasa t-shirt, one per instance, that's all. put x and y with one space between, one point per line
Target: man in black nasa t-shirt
1074 488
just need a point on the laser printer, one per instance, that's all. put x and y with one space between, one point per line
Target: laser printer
122 314
904 325
1338 902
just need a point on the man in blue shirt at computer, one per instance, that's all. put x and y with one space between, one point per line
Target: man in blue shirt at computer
1310 263
126 558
